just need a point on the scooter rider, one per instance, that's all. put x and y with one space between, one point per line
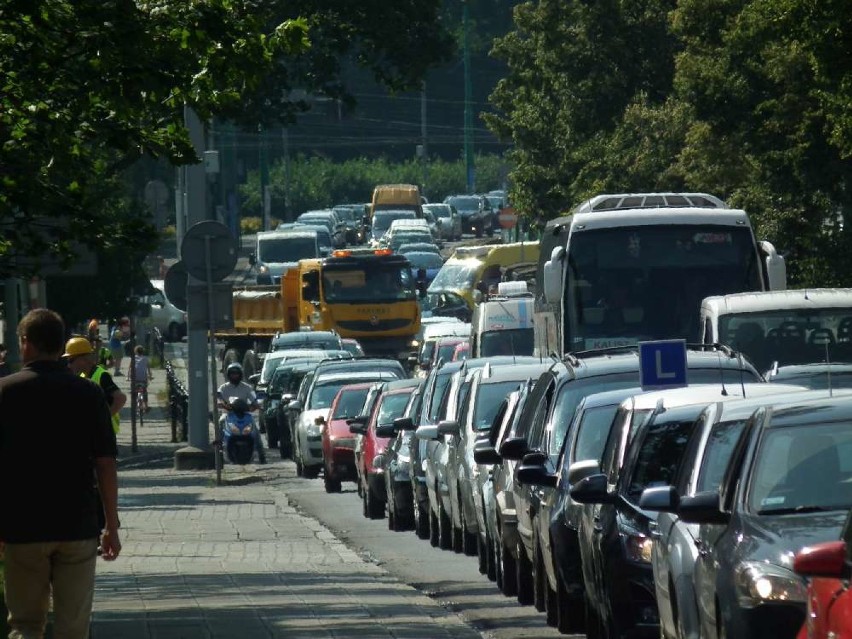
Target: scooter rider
236 388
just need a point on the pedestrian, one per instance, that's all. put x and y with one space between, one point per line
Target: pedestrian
93 329
116 346
50 523
82 359
142 374
103 353
5 369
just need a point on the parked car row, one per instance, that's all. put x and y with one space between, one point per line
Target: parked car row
616 510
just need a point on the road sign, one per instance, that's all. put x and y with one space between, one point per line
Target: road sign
223 251
175 285
199 314
508 218
662 364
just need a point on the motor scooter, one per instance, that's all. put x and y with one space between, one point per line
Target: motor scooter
239 434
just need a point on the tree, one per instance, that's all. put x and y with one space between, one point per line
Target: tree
90 86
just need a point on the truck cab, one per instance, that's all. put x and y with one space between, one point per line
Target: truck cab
503 324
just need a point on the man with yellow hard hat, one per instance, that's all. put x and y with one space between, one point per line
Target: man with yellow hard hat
82 360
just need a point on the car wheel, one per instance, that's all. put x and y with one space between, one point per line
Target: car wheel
404 520
421 521
300 470
433 530
375 506
311 472
570 612
523 576
391 517
538 579
508 569
284 447
364 509
490 563
478 232
482 555
551 606
445 526
331 483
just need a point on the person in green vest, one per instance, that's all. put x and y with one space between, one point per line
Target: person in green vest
83 361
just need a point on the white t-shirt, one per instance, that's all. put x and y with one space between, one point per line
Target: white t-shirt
229 392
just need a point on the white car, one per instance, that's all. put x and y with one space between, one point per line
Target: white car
168 318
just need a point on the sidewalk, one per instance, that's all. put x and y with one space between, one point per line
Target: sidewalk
237 560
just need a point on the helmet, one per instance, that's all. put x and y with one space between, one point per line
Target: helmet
234 368
78 346
239 406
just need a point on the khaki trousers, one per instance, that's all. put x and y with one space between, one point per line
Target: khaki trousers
65 569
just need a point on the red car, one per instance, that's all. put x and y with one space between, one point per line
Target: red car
445 348
338 443
462 352
371 474
829 596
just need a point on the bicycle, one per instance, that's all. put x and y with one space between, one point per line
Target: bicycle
141 393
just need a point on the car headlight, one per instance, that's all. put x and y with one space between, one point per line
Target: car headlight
263 268
638 548
313 430
758 583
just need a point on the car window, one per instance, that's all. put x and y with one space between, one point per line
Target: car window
438 399
717 453
592 431
350 403
611 455
542 388
659 456
392 406
464 397
488 399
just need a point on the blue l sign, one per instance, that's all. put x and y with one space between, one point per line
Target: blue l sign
662 364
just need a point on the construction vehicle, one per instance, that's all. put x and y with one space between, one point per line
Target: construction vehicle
368 295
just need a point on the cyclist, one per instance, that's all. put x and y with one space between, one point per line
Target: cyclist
143 374
82 360
235 388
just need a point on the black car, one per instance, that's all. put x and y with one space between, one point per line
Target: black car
787 486
475 211
547 416
352 216
282 418
320 340
331 220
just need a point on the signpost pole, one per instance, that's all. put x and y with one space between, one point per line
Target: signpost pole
212 318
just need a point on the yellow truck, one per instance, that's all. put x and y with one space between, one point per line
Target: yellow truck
366 294
397 197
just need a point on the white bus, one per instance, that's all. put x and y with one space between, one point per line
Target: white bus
635 267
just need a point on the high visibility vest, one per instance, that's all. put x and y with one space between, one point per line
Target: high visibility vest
96 378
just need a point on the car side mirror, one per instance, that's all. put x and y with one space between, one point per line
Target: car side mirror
702 508
514 448
254 379
252 259
664 499
357 428
823 560
535 457
385 430
449 427
404 423
295 405
427 432
578 471
592 490
533 473
484 453
287 398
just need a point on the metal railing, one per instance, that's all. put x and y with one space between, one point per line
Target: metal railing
178 404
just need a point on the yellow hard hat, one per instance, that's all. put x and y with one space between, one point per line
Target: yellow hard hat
78 346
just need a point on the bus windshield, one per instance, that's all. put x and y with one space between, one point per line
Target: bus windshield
641 283
366 282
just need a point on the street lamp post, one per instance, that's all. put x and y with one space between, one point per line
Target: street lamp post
468 107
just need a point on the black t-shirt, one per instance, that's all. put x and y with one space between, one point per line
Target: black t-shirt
107 384
53 424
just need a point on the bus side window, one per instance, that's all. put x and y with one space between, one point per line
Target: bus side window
708 332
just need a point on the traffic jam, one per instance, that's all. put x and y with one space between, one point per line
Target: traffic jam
631 423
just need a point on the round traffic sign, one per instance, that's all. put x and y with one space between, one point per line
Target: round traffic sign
508 218
222 253
175 285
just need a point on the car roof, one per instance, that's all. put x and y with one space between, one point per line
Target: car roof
510 372
817 411
334 376
811 298
743 408
446 329
360 364
401 386
703 393
450 339
358 386
610 397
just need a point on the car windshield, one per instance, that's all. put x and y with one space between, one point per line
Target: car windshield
279 380
802 469
592 432
367 282
441 211
445 352
424 260
324 391
464 202
286 249
456 275
323 234
383 219
408 237
488 399
659 456
419 247
791 336
350 403
321 220
515 341
392 407
816 380
642 283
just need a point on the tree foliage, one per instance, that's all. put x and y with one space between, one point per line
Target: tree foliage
90 86
747 99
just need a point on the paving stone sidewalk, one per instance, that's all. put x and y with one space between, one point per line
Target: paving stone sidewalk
237 560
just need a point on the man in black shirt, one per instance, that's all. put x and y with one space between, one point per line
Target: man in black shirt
50 510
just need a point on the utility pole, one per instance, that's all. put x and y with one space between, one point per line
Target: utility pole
468 107
264 178
285 138
197 455
424 157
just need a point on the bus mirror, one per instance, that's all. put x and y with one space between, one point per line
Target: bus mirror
553 276
776 267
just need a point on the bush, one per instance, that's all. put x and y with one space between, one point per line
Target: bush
168 232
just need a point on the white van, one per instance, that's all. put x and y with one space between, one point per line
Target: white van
503 325
164 315
782 328
279 251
